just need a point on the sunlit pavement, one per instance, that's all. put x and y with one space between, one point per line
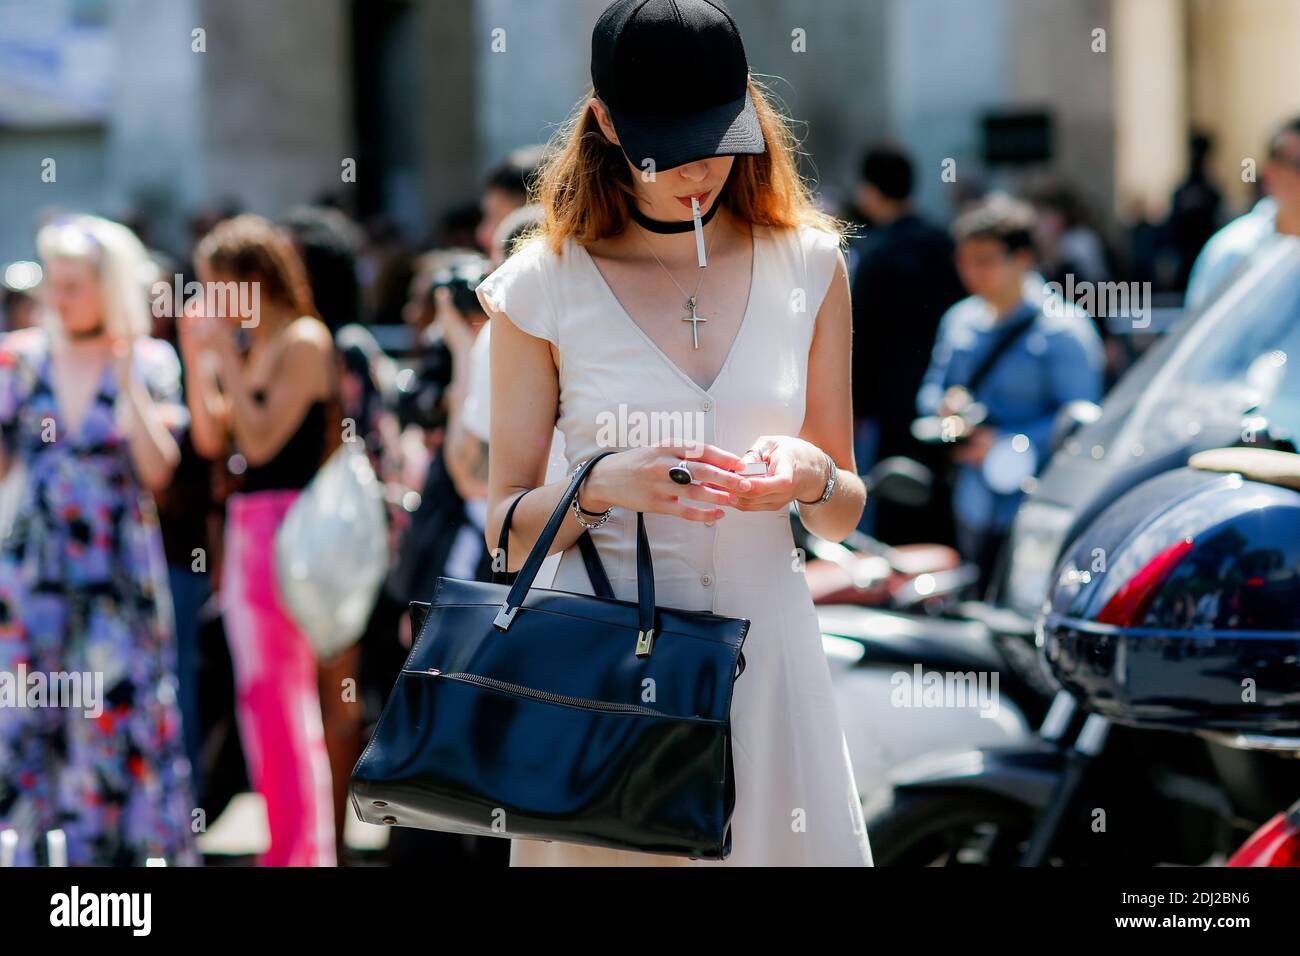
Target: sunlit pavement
240 834
882 737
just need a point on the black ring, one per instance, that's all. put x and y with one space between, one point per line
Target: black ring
680 474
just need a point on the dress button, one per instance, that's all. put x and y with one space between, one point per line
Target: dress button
706 579
707 404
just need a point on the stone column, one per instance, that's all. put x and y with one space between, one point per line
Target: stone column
276 100
156 139
1147 42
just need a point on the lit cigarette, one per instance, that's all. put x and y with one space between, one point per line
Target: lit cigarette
699 232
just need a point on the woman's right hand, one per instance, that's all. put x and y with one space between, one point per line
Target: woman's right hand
456 330
637 479
187 333
194 331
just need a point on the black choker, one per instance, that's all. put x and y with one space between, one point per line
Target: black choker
81 336
659 225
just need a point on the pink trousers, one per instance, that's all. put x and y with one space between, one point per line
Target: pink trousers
276 697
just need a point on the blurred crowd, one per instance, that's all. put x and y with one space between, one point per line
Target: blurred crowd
152 447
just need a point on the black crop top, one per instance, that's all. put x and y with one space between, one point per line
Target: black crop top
299 459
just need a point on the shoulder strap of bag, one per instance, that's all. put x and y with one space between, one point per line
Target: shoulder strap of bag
590 556
1010 335
644 566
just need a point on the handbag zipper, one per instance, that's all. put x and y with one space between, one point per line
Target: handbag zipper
522 691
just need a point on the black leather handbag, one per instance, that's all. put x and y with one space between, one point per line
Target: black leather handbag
551 715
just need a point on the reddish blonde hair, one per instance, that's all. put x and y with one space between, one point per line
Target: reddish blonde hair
584 185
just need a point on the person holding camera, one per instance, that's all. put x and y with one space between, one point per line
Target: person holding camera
1007 359
447 317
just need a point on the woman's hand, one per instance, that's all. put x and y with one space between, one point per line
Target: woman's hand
201 334
976 445
193 326
638 480
151 446
121 350
796 470
456 329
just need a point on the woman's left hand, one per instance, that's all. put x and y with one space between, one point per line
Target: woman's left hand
122 352
796 470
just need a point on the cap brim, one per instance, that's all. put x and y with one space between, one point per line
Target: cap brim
731 129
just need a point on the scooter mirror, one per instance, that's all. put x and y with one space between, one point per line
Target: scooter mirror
900 480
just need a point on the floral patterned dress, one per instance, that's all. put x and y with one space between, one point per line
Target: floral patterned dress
83 592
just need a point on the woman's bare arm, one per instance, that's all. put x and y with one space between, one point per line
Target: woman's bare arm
153 450
525 385
464 452
828 417
209 415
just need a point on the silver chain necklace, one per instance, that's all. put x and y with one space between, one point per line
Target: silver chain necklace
693 318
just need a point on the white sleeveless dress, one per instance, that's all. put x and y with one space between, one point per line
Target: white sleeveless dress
796 801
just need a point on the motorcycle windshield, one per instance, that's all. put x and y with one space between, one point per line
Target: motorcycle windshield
1212 381
1239 362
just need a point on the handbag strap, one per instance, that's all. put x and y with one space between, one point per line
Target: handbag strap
600 585
1011 334
644 567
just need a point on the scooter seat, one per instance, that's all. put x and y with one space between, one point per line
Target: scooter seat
1258 464
831 583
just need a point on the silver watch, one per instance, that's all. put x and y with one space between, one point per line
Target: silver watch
830 484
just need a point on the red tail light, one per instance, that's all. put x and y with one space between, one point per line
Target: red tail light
1130 603
1276 843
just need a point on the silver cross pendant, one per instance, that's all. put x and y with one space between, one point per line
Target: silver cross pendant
695 321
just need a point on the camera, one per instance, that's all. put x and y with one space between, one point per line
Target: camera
963 416
420 390
462 277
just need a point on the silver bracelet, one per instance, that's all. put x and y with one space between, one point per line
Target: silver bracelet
581 513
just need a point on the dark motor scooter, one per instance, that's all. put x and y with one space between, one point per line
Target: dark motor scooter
1190 631
1220 376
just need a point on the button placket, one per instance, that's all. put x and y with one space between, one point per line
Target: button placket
707 405
707 578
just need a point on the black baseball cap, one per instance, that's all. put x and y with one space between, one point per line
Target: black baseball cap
674 76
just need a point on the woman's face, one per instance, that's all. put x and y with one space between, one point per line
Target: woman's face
71 289
217 296
666 194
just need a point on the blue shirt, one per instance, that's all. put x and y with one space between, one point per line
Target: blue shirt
1057 360
1227 248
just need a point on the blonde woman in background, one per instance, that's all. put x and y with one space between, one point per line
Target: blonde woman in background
88 405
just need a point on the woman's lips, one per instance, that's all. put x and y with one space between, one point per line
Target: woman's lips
686 200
